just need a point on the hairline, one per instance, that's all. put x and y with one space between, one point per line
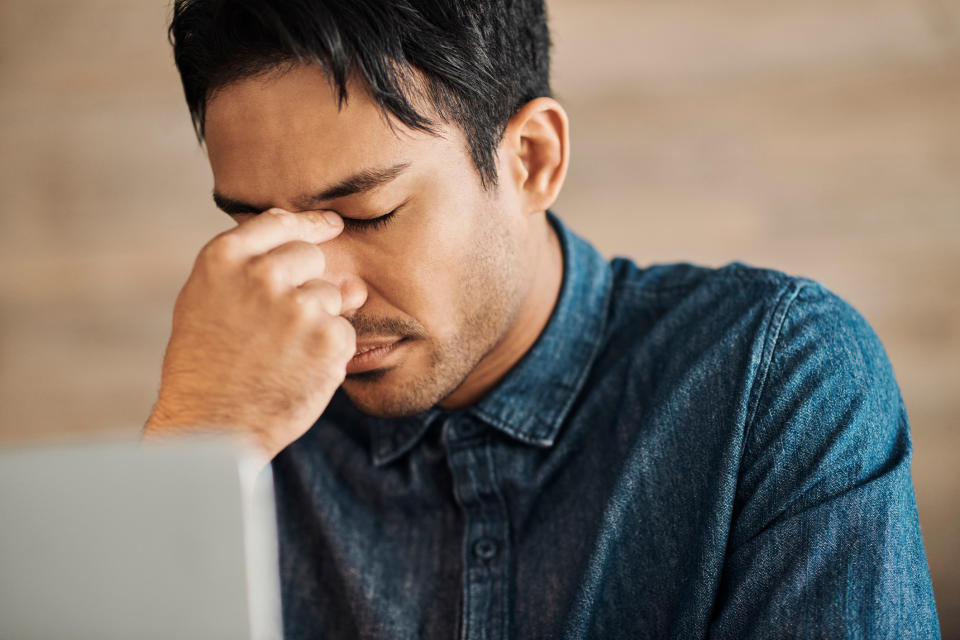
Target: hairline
413 88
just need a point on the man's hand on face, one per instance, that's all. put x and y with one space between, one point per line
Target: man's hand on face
259 345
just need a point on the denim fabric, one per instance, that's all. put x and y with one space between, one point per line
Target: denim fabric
685 452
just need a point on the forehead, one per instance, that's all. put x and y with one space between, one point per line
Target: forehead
284 127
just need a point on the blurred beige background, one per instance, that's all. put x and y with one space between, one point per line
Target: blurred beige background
821 138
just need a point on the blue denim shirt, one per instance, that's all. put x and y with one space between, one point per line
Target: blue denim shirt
685 452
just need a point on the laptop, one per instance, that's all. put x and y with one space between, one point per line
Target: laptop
126 540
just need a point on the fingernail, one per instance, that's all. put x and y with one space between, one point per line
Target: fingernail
332 218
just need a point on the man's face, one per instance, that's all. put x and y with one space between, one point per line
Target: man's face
447 272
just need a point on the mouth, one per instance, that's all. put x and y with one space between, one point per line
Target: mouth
373 354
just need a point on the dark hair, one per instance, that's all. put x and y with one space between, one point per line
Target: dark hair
476 62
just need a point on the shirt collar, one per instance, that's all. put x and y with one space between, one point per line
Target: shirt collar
531 402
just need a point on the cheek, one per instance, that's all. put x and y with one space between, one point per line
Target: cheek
424 282
424 269
431 292
442 263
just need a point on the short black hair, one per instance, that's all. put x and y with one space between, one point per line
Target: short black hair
476 62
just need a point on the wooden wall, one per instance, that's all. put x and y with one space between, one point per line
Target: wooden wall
821 138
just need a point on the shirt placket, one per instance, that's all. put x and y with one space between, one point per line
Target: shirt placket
486 539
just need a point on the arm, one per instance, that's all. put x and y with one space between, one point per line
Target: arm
825 540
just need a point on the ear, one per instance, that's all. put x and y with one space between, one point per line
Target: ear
535 151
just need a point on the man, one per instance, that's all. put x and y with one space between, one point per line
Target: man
478 427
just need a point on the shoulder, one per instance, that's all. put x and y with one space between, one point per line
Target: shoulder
702 295
673 282
782 336
796 324
695 305
826 378
686 287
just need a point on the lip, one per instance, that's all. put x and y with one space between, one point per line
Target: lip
371 355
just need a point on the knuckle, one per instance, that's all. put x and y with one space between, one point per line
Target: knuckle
223 248
285 218
333 299
317 298
307 309
319 257
324 330
303 302
264 273
347 337
336 336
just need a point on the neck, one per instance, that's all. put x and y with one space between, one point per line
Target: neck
531 320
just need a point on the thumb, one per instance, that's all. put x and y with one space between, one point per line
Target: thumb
353 291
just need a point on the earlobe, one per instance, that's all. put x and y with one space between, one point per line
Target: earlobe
538 143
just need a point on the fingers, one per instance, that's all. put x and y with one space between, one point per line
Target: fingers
293 263
275 227
350 295
277 253
320 293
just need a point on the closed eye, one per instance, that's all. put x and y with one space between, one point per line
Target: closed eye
239 213
369 224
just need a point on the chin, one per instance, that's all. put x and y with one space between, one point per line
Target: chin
374 394
394 390
412 386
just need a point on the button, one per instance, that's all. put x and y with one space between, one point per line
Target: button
485 548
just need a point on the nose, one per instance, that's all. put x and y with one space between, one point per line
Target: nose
353 291
341 270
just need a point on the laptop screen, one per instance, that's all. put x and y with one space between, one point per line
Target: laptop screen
123 540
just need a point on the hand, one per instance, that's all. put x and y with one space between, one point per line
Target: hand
259 345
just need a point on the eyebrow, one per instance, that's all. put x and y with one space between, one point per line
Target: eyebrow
359 182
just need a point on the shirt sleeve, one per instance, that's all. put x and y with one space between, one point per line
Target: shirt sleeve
825 541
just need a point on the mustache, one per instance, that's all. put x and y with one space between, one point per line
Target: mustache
368 326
